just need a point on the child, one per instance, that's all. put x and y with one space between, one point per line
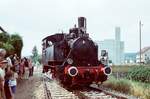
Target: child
7 88
13 81
10 83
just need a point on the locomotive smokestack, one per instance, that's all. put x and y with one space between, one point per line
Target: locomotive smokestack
82 24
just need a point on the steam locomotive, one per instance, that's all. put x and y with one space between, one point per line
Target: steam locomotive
73 57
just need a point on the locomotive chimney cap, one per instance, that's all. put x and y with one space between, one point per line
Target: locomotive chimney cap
82 17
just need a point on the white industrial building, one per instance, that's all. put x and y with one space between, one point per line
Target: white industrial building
145 55
114 47
130 58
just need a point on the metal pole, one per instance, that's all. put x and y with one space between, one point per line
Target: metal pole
140 39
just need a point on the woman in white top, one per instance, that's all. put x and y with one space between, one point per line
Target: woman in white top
2 80
2 72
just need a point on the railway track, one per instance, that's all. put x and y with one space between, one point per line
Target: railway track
113 93
46 90
53 90
94 93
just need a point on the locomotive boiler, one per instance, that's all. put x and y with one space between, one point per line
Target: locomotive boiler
73 57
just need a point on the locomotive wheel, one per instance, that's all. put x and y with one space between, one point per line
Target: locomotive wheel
67 81
87 85
103 78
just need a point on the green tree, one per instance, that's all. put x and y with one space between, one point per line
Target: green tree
35 56
9 48
4 43
11 43
17 42
4 37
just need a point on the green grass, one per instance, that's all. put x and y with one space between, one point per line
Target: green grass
138 89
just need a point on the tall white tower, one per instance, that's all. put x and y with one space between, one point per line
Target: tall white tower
119 55
115 47
117 33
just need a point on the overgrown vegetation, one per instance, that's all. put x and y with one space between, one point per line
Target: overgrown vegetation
121 68
135 82
121 85
137 73
138 89
126 68
141 74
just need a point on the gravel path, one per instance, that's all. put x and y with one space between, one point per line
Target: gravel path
58 92
31 88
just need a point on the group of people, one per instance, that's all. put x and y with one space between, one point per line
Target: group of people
11 69
24 66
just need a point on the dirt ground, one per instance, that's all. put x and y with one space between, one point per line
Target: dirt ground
31 88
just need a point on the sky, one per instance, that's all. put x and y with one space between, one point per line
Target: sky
36 19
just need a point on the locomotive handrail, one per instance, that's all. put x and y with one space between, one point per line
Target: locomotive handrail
66 58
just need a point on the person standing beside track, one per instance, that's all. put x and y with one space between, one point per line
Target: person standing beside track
2 79
30 67
7 87
21 68
9 61
2 73
26 63
12 82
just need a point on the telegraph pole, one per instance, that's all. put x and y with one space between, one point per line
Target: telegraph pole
140 25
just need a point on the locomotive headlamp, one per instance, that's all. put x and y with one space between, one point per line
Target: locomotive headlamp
72 71
69 61
107 70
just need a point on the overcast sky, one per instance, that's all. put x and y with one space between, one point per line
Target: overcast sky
35 19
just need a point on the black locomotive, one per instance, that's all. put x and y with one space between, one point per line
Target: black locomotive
73 57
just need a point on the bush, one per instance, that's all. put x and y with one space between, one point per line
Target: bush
121 85
134 88
141 74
